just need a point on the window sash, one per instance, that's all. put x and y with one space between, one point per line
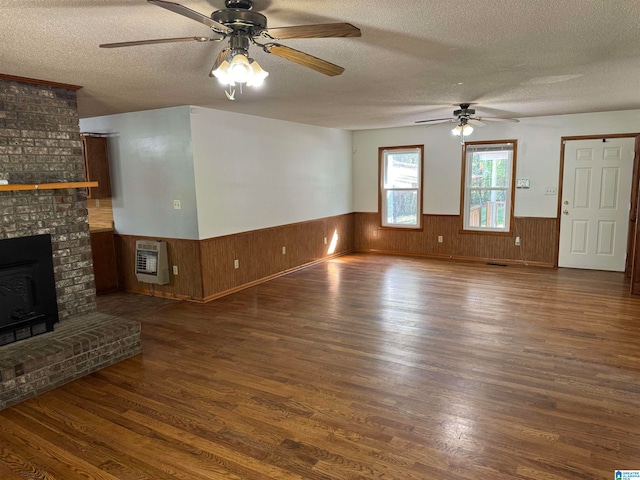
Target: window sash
491 211
388 159
482 216
415 213
394 218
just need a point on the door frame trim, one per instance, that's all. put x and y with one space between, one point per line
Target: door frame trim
635 254
635 190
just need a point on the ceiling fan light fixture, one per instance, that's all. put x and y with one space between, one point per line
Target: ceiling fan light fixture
240 69
222 74
462 129
257 75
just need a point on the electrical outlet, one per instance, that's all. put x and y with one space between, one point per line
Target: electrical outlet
518 241
440 239
325 240
177 205
175 269
236 264
375 233
284 250
97 202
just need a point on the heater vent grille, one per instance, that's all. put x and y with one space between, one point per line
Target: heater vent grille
152 247
152 265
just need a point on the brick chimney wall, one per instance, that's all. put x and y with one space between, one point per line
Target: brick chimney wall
40 143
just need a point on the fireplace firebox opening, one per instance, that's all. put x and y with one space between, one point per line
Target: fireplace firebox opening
28 304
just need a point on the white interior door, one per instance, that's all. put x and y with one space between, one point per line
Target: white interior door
596 192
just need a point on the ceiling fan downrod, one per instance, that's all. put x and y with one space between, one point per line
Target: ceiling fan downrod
241 4
239 44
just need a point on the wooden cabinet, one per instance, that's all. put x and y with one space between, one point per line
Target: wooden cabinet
104 261
96 164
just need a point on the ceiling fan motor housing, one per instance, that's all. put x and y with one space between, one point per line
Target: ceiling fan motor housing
464 110
241 20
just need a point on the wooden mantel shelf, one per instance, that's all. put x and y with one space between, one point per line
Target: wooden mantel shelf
45 186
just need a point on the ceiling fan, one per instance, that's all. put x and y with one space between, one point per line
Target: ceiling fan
466 117
242 26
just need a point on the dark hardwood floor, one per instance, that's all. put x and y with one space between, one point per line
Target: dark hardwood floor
363 367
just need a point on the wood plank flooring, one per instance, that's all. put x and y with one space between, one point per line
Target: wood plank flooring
363 367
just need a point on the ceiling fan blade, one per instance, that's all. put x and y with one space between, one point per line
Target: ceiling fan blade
319 30
496 119
157 40
477 122
222 56
438 120
192 14
304 59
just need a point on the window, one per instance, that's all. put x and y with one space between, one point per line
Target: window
487 177
401 186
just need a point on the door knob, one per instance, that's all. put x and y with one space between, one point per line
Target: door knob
566 202
566 212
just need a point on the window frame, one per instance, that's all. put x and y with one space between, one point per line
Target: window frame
511 190
382 191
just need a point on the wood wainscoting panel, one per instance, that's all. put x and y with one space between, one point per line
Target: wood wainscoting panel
206 267
539 237
185 254
538 240
340 229
259 252
369 236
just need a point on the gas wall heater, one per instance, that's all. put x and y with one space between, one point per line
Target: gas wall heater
152 265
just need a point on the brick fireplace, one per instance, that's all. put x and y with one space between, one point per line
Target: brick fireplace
40 143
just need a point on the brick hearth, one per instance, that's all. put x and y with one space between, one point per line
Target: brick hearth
77 347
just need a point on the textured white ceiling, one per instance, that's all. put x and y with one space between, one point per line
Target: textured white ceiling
414 61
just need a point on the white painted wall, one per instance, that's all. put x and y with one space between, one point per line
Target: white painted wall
235 173
538 158
151 166
253 172
232 173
